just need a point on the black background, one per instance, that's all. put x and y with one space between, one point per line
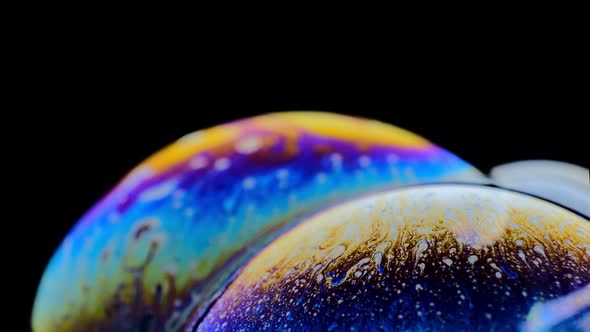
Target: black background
62 160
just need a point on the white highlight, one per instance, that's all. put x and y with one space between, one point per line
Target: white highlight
140 174
248 145
563 183
336 160
364 161
198 162
191 138
545 315
249 183
158 192
221 164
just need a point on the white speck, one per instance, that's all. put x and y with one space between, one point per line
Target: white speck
488 315
221 164
249 183
340 301
158 192
498 275
248 145
447 261
422 246
282 175
358 274
472 259
400 316
198 162
539 249
452 250
321 178
419 287
317 267
519 243
524 293
336 159
364 161
364 261
319 277
383 245
378 258
392 158
337 251
521 255
189 212
422 266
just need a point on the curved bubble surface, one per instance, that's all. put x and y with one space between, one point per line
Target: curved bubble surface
159 247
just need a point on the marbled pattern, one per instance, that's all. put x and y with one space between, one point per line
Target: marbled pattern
424 258
154 252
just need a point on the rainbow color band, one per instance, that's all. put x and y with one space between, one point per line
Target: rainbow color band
172 232
426 258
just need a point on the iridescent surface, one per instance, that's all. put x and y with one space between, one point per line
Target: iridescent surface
559 182
159 246
424 258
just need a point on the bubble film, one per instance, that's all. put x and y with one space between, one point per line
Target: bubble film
163 244
426 258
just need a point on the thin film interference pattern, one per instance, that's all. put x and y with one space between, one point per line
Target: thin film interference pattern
168 236
444 257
